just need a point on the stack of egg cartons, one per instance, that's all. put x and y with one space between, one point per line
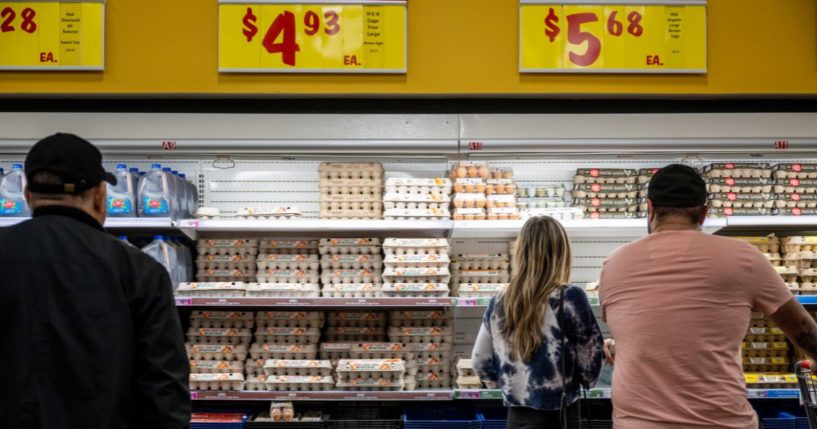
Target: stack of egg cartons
283 336
226 260
760 343
351 190
211 290
352 267
347 328
801 253
287 268
371 374
466 376
479 276
796 187
298 374
469 181
428 336
387 350
545 200
417 199
416 267
739 189
606 193
500 191
217 343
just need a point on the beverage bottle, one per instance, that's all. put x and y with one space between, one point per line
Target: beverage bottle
165 254
134 176
121 196
172 192
155 194
124 239
12 193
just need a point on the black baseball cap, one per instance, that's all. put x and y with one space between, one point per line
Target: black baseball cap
677 186
75 160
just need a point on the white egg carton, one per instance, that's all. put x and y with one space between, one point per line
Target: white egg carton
356 318
219 336
434 260
420 318
795 171
417 214
465 368
207 213
352 290
283 351
568 213
356 369
795 244
288 261
738 170
424 334
226 381
415 290
416 246
381 350
256 382
469 185
220 262
287 276
345 182
287 335
327 213
227 247
469 214
228 319
433 381
335 350
484 290
349 262
371 384
215 366
370 251
429 198
262 214
211 289
355 334
400 274
430 350
255 367
469 382
606 175
298 367
297 383
350 276
283 290
415 205
303 319
482 276
798 186
402 185
481 262
334 243
216 352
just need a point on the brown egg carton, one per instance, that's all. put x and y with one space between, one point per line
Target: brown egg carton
795 170
795 185
795 200
603 190
740 185
606 175
470 169
796 211
738 170
741 200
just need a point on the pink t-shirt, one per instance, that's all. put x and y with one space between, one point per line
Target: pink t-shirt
678 305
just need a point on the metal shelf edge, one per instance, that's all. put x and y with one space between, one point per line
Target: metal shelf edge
315 302
333 395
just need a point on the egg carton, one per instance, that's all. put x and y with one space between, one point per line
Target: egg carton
371 384
470 169
352 290
288 276
207 213
352 262
346 182
500 201
283 351
766 364
428 198
420 318
766 244
255 367
470 200
801 260
352 194
606 176
739 185
738 170
227 247
498 261
804 289
381 350
759 335
482 276
607 203
500 187
296 383
469 185
287 335
774 258
355 334
770 381
496 173
351 250
484 290
350 276
215 366
372 206
568 213
432 334
469 382
417 214
392 272
428 350
293 246
335 350
415 205
217 262
603 190
298 367
222 319
351 167
283 290
225 273
226 381
731 211
741 200
541 203
356 369
356 318
211 289
432 365
421 187
470 214
216 352
645 174
465 368
275 213
795 171
221 324
794 200
793 287
765 349
415 290
288 261
256 382
795 244
302 319
798 186
808 275
219 336
411 261
555 191
351 214
433 381
416 246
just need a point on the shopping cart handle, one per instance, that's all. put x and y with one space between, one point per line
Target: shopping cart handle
805 364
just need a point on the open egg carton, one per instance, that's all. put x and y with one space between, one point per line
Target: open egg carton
222 319
351 190
217 352
269 214
299 383
284 290
371 374
287 335
297 367
215 366
417 199
283 351
231 336
217 381
292 319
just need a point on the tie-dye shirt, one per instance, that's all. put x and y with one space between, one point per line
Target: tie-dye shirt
539 383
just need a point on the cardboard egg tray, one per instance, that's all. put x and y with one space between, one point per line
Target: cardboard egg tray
221 324
477 290
215 366
288 276
469 185
222 319
226 381
796 186
216 352
227 247
283 290
221 262
414 274
365 179
256 382
255 367
428 350
350 214
335 351
765 349
356 318
795 171
739 185
287 262
541 203
808 275
795 244
470 169
351 276
303 319
465 368
432 365
774 258
808 288
469 382
283 351
381 350
287 335
364 190
415 246
211 289
801 260
356 369
568 213
371 384
469 200
766 364
355 334
738 170
349 262
794 200
269 214
413 261
400 185
417 214
219 336
618 176
414 205
420 318
770 381
742 211
207 213
769 335
360 169
296 383
604 190
461 213
350 246
433 334
350 207
351 290
298 367
481 276
433 381
415 290
274 246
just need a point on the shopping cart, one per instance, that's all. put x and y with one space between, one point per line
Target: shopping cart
808 390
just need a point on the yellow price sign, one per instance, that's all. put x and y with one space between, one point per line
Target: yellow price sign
340 36
631 37
52 35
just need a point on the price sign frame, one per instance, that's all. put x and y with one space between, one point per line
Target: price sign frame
623 3
296 70
61 68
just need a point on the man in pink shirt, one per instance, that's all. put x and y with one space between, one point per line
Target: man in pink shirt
678 304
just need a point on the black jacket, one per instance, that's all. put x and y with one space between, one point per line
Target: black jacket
90 333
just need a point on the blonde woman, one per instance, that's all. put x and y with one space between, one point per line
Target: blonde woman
539 341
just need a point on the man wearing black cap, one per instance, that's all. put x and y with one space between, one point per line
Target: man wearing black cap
92 338
678 303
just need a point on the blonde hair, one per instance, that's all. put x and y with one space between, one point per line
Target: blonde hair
541 264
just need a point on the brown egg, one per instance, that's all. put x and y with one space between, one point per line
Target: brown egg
484 172
469 188
461 172
469 204
496 174
492 217
481 204
489 190
508 174
459 188
481 188
500 188
489 204
472 171
458 203
457 216
510 188
469 217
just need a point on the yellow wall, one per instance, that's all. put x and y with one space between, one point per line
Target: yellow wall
455 47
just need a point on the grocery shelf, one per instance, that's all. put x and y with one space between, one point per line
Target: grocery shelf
136 223
384 302
329 395
317 227
604 393
576 228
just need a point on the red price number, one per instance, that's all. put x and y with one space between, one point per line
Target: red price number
26 21
575 35
284 28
